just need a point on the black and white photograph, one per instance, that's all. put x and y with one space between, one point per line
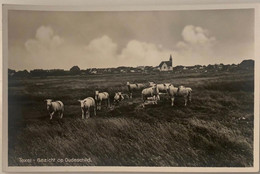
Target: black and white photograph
143 88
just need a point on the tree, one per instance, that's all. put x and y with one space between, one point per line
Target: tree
11 72
22 74
75 70
39 72
247 64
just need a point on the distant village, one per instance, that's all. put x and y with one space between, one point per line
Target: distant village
163 67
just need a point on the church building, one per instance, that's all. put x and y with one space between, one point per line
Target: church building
166 65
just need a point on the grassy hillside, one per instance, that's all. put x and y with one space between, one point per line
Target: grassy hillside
216 129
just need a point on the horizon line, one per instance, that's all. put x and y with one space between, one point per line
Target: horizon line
125 66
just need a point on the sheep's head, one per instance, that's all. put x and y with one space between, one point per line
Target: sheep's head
168 87
81 103
48 102
127 83
151 83
155 89
96 95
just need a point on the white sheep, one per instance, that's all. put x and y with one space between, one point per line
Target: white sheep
150 92
101 96
86 105
181 91
134 86
118 97
55 107
162 87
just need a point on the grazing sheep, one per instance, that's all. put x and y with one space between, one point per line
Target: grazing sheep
150 101
86 105
118 97
99 97
162 87
132 87
150 92
181 91
55 107
126 96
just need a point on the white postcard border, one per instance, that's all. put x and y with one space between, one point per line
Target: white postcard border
7 168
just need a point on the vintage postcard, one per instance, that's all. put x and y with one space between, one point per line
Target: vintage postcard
147 89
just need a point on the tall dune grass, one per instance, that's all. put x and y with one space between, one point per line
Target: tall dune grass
215 130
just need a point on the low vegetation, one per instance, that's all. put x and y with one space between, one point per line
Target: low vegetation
215 130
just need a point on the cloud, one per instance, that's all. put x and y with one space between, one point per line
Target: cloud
196 35
44 39
138 53
101 52
196 46
46 50
49 50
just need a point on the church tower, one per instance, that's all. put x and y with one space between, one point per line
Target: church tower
170 60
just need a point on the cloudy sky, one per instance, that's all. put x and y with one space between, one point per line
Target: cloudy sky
51 40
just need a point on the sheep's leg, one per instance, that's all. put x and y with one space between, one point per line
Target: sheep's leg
82 113
185 100
190 97
87 113
100 103
144 98
108 102
96 106
95 113
51 115
130 92
61 115
172 101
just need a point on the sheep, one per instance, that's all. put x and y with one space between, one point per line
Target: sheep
132 87
181 91
118 97
162 87
150 101
55 107
99 97
126 96
150 92
86 105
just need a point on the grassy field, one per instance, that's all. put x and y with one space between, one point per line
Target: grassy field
216 129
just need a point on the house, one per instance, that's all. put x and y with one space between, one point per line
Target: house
166 65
